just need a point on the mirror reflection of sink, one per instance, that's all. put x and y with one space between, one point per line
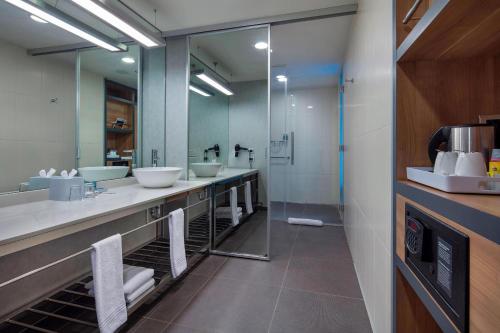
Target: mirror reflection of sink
99 173
206 169
157 176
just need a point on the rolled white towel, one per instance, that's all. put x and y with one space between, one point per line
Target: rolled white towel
316 223
226 209
134 277
140 291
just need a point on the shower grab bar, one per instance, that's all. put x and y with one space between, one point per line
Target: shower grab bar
226 191
281 157
71 256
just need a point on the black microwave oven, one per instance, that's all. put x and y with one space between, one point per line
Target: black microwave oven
439 256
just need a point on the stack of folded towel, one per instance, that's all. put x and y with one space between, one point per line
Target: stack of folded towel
225 212
137 282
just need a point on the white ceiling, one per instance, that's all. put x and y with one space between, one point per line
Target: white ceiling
309 53
181 14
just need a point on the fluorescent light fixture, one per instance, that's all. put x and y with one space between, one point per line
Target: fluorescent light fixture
45 16
116 22
215 84
128 60
37 19
199 91
261 45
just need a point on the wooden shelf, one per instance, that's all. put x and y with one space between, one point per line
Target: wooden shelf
120 130
121 100
454 29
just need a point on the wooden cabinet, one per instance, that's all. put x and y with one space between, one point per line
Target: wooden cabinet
447 73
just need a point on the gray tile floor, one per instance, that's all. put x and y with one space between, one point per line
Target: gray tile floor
309 286
327 213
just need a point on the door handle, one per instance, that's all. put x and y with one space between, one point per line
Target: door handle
292 153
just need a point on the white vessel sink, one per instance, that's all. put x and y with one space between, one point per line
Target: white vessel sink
99 173
206 169
157 176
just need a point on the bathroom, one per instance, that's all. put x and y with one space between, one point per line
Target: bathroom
246 166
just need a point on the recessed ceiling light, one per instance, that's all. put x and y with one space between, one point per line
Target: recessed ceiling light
281 78
37 19
116 22
261 45
310 107
128 60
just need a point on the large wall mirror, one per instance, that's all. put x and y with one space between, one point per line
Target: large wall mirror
228 125
108 108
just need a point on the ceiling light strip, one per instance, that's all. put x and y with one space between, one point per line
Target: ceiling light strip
66 22
199 91
207 79
99 9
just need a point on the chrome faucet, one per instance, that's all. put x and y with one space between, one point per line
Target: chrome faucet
154 157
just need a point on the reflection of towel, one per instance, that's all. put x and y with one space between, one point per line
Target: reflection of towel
133 278
178 260
233 199
107 269
248 197
140 291
316 223
226 212
226 209
228 216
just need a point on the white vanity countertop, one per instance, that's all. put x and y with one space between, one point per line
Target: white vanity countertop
227 173
28 219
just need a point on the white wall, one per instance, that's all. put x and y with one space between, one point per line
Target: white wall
314 176
91 119
368 138
35 133
248 126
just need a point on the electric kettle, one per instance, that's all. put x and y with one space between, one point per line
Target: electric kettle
464 138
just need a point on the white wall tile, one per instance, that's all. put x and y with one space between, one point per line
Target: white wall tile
368 131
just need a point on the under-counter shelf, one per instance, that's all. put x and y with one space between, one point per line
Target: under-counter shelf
454 29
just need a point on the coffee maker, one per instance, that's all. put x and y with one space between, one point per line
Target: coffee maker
465 138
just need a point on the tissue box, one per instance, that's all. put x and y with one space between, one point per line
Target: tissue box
66 189
38 183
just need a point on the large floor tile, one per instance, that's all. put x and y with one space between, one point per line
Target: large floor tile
323 276
147 325
174 328
177 298
304 312
267 273
326 243
209 266
230 306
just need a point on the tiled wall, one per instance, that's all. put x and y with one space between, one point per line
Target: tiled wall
35 133
248 126
91 136
368 136
314 176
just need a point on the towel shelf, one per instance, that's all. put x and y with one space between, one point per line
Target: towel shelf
71 309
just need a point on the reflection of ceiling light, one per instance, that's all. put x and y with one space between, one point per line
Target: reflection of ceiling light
128 60
281 78
293 105
215 84
116 22
37 19
261 45
310 107
59 19
199 91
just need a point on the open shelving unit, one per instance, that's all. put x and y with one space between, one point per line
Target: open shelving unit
447 73
120 102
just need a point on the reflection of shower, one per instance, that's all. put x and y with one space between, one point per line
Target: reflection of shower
279 146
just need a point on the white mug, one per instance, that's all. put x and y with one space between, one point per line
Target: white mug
445 163
471 165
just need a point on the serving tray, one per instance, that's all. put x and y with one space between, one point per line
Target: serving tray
454 184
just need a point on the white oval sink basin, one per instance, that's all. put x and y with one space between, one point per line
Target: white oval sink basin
157 176
99 173
206 169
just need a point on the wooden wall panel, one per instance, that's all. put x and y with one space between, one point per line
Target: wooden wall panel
484 271
431 94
